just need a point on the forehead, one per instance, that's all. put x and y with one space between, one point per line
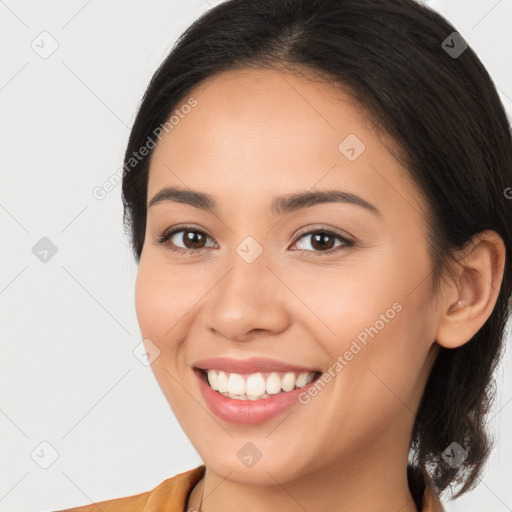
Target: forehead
255 133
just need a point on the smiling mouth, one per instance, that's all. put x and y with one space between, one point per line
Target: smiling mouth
256 386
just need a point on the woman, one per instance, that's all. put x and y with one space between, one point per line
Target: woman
318 198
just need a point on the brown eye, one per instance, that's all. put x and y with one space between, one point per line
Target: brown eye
323 241
191 238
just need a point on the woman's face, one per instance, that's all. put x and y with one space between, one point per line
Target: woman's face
268 277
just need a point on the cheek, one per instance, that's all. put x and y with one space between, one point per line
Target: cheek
157 306
377 293
161 314
375 315
163 297
384 334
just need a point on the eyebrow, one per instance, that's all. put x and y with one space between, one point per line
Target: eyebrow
281 204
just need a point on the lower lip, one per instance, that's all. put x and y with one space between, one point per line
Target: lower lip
248 412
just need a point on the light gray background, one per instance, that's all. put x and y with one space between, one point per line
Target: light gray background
68 375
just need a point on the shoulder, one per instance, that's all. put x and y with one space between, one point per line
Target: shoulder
172 492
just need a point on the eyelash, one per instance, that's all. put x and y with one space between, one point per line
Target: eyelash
162 239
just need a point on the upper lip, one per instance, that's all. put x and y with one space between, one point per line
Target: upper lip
251 365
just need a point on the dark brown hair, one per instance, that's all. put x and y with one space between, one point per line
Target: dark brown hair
452 133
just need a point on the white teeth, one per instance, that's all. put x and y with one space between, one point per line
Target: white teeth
288 382
273 384
236 384
256 386
213 379
302 379
222 382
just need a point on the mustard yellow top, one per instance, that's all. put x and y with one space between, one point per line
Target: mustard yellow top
172 496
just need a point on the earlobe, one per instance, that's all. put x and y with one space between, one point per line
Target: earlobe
471 300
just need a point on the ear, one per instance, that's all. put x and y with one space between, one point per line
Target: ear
470 300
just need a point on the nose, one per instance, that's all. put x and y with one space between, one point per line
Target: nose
249 300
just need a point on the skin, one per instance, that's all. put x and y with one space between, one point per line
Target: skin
253 135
